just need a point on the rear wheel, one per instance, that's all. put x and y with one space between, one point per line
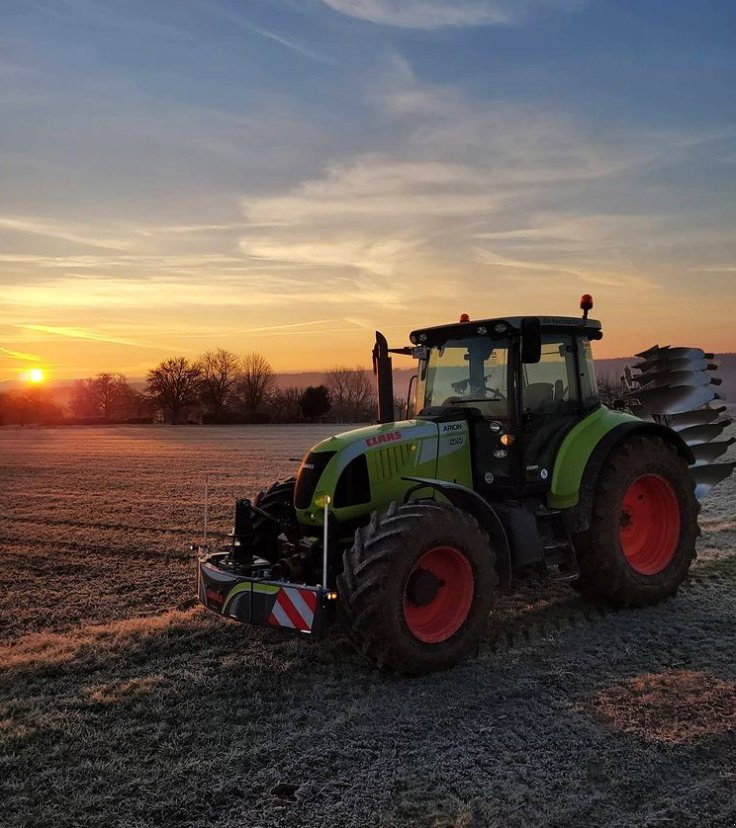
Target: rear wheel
417 587
641 539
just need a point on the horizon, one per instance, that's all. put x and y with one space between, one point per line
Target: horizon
285 178
398 368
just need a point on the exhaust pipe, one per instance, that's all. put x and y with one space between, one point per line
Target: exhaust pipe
384 379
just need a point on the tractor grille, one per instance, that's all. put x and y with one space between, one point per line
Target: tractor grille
392 460
308 477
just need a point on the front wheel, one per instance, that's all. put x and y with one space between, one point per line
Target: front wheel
417 587
643 527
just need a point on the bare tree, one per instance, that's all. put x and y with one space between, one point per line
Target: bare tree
132 404
110 392
219 377
351 394
83 402
30 406
286 404
173 385
255 384
107 395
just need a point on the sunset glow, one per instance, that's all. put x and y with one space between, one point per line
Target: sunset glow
35 375
346 167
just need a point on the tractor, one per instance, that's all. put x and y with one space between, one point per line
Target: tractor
406 530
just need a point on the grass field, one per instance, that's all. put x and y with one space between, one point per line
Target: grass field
124 704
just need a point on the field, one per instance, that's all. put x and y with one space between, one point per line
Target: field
124 704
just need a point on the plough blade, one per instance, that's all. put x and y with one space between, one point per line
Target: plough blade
675 400
708 476
676 385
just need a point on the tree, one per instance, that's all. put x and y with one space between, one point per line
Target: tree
315 402
83 403
132 404
219 377
173 385
400 407
30 406
255 384
110 391
107 395
286 404
351 393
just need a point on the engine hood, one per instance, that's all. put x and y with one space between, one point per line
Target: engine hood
363 470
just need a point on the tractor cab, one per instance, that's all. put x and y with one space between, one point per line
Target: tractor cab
521 383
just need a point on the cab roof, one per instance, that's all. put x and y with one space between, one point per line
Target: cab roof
505 326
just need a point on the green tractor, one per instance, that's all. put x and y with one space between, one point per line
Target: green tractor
407 530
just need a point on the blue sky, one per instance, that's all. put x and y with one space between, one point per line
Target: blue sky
287 175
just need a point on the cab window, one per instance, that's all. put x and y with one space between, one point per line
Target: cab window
550 386
588 384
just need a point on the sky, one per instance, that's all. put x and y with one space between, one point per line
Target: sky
287 176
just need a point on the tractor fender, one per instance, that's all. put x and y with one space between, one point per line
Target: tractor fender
470 501
578 517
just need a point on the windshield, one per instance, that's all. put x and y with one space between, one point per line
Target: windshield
469 373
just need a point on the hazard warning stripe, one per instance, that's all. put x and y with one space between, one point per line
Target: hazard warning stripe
279 618
287 605
294 608
305 603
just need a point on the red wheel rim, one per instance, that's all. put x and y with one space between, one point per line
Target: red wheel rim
439 616
650 524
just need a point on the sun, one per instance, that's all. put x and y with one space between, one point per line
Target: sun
35 375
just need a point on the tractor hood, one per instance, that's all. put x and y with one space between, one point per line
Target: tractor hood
362 470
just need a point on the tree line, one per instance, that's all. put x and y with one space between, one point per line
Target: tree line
217 387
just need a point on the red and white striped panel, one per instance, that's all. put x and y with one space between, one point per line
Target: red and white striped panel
294 608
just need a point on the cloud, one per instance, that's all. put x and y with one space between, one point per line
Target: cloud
435 14
287 43
79 333
586 275
53 229
21 355
247 292
487 190
267 329
184 229
727 268
461 171
369 215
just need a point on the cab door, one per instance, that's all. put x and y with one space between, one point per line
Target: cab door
550 405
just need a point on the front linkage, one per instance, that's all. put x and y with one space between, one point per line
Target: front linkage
238 583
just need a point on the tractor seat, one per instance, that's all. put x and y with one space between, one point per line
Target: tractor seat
538 396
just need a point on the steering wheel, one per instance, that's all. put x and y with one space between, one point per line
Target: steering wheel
497 393
497 396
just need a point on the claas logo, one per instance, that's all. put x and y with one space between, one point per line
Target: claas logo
391 437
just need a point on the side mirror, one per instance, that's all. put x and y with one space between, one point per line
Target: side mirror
531 340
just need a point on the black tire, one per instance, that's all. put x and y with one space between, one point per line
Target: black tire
278 501
649 574
375 584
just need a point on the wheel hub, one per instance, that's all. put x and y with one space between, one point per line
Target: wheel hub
423 587
649 525
438 594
